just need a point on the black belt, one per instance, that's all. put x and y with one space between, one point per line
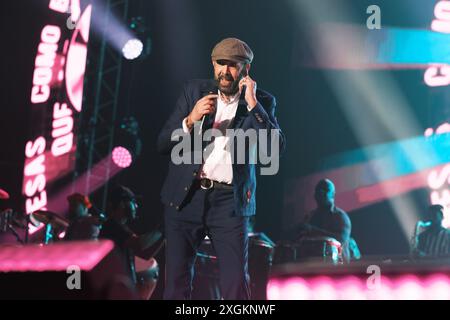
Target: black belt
210 184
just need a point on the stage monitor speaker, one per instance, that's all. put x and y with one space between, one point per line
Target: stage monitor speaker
66 270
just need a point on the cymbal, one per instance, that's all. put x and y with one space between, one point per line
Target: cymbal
48 217
4 195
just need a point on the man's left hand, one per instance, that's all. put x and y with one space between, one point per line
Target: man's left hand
250 92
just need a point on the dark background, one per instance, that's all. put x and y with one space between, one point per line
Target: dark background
183 34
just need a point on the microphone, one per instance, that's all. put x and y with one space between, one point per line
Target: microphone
211 90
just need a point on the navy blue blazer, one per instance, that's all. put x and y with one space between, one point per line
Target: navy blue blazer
181 176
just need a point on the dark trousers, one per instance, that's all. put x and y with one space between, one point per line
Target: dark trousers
207 212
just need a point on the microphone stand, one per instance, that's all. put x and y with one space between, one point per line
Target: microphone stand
27 228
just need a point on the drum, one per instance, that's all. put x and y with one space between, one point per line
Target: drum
147 274
317 249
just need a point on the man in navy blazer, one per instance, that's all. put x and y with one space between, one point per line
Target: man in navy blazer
214 195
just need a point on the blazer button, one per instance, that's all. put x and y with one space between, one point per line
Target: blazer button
186 188
194 173
171 204
177 208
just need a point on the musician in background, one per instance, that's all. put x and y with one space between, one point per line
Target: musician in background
83 226
122 210
327 219
434 242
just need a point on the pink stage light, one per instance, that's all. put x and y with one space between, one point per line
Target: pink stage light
323 288
385 291
54 257
438 287
298 290
409 287
351 288
274 290
122 157
405 287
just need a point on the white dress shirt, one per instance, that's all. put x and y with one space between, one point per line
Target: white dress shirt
217 165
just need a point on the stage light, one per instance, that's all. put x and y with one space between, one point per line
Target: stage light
128 144
422 280
139 46
132 49
122 157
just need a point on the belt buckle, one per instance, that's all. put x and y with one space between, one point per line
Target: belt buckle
209 186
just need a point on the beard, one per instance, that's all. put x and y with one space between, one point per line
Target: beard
227 84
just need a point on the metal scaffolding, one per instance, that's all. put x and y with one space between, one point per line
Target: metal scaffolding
98 118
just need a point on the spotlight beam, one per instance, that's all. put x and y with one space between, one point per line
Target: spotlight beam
362 95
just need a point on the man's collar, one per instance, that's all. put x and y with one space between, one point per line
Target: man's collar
229 100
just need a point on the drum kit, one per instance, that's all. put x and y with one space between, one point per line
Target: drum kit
18 223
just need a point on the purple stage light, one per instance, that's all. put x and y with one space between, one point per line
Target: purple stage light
122 157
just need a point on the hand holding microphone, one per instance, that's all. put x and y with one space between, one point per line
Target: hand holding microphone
203 107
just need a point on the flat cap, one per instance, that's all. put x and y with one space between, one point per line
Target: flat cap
232 49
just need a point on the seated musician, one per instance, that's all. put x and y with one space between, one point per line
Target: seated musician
122 208
83 225
434 242
327 219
